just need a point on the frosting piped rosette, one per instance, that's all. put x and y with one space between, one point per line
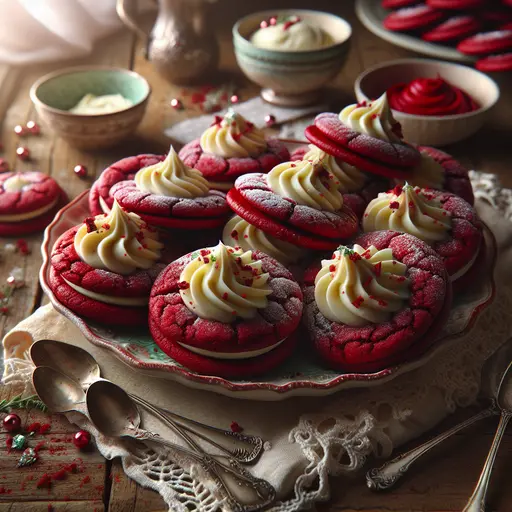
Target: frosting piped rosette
230 147
226 311
445 221
296 202
28 202
356 186
170 194
104 268
367 136
377 302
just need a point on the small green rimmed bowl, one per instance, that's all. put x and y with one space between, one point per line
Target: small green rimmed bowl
54 94
292 78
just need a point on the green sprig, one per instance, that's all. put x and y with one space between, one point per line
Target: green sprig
17 402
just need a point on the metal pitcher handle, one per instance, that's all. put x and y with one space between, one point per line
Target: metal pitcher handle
124 8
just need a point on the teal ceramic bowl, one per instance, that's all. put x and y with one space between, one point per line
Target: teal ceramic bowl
54 94
292 78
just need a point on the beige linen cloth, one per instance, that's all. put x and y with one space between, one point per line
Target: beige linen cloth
309 439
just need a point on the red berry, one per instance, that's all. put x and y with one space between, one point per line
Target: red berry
33 128
273 20
20 130
82 439
270 120
23 153
80 170
12 423
4 165
264 24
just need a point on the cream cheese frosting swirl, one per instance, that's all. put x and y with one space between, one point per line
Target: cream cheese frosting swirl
372 118
16 183
222 283
120 242
348 178
307 183
293 35
239 233
410 210
233 137
359 287
173 178
428 173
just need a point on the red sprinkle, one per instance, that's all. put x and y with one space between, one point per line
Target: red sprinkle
377 268
106 226
357 303
183 285
91 226
332 268
22 246
355 256
234 234
44 428
411 204
44 481
394 205
397 190
225 296
235 427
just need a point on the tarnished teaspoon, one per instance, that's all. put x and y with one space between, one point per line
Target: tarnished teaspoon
115 414
387 475
477 501
82 367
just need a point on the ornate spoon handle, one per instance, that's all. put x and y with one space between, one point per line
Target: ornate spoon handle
384 477
477 501
244 448
229 477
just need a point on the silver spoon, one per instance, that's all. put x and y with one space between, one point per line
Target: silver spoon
82 367
387 475
477 501
115 414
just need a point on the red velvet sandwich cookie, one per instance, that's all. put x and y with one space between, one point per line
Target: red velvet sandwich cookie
100 198
296 202
222 311
358 187
232 146
374 304
492 63
398 4
172 195
104 269
456 4
453 29
28 202
412 18
366 136
487 43
439 170
443 220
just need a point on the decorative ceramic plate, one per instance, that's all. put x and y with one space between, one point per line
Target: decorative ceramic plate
301 375
371 14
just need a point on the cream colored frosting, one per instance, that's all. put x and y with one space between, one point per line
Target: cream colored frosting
109 299
428 173
248 354
408 210
371 118
359 287
121 243
105 104
348 178
233 136
307 183
172 177
16 183
103 205
19 217
295 36
239 233
222 283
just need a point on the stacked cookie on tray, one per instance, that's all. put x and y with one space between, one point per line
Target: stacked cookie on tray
375 231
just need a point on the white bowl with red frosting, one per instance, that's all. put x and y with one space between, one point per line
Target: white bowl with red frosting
443 123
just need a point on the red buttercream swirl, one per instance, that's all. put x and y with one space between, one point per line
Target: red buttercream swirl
430 97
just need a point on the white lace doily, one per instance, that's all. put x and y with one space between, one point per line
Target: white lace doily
336 438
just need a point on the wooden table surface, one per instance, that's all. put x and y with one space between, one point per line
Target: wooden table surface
442 483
